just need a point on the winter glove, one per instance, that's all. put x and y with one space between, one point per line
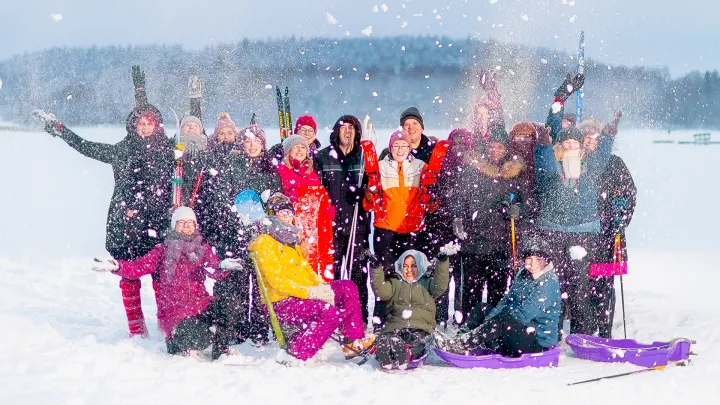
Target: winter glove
108 265
354 195
231 264
372 260
322 292
569 86
448 250
195 87
458 229
51 124
514 211
138 77
544 136
612 127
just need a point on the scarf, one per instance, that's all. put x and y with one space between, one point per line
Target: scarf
572 164
194 144
176 245
283 233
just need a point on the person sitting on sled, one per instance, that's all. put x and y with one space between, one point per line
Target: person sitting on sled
410 304
299 296
179 267
525 320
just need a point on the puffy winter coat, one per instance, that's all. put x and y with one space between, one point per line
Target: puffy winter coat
422 152
398 207
180 291
411 304
142 168
570 205
534 303
338 173
285 271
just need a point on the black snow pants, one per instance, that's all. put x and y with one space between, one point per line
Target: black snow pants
396 349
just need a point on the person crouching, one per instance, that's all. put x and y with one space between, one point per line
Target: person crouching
300 297
525 320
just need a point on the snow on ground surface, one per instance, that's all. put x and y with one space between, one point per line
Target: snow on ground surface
64 333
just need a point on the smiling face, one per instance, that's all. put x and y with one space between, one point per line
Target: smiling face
347 135
285 216
191 128
185 226
565 123
458 145
226 135
307 132
590 141
414 130
410 269
298 152
145 127
570 144
400 150
535 264
253 146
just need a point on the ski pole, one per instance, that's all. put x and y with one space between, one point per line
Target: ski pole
618 375
617 257
514 248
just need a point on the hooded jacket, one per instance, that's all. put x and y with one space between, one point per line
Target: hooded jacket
142 169
339 173
411 304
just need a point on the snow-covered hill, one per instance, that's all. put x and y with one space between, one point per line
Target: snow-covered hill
64 333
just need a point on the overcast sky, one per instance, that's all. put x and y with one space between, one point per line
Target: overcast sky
682 35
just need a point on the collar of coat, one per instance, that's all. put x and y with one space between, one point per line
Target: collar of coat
508 168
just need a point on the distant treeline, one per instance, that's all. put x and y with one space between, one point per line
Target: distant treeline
328 78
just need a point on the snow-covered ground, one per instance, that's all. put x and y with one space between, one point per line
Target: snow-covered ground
64 336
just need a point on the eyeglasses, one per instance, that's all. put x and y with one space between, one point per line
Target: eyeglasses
399 148
306 131
185 222
285 213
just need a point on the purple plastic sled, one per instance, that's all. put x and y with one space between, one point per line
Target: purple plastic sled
484 359
628 350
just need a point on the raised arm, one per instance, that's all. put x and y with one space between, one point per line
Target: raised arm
102 152
569 86
441 279
383 289
139 84
195 89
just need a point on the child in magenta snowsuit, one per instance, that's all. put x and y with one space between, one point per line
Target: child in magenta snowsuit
179 266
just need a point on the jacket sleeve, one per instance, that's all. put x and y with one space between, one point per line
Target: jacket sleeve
147 264
213 262
196 108
554 119
271 266
600 158
382 289
497 309
539 303
102 152
441 279
545 167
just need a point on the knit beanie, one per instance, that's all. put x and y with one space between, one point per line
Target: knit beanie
278 202
253 131
570 133
190 118
411 112
535 245
182 213
499 135
399 135
224 121
294 140
305 120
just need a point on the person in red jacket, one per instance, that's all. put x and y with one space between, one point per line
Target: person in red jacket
312 204
179 266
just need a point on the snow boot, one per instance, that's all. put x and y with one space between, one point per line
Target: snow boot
358 347
130 290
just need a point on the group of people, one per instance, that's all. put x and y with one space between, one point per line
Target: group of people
529 223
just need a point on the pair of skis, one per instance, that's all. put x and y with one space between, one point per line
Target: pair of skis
580 70
284 116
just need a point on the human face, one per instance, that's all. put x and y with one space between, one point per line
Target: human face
285 216
535 264
347 135
298 152
414 129
145 127
458 145
590 141
185 226
191 128
496 151
226 135
565 123
400 150
253 146
307 132
570 144
410 269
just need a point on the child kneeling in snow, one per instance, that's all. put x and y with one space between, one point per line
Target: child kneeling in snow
524 321
179 266
299 296
410 305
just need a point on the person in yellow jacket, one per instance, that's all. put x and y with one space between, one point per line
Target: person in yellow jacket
299 296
